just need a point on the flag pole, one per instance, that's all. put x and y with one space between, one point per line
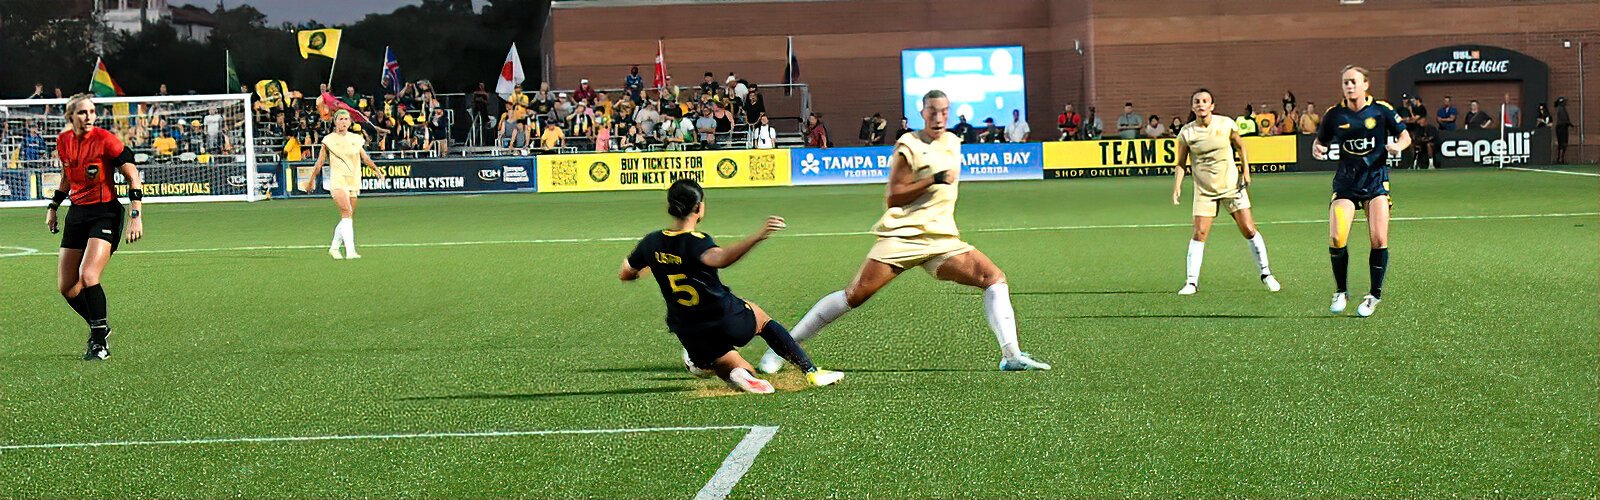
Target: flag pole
227 56
330 72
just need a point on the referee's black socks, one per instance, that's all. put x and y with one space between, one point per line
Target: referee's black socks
1341 266
94 300
1379 261
78 305
781 342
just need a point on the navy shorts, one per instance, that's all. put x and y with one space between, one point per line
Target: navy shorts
711 340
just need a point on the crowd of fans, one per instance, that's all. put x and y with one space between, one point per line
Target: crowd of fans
205 132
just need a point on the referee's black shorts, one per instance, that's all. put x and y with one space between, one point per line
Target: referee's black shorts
100 220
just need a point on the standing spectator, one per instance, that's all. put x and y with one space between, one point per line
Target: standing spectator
648 117
163 91
1069 122
543 103
903 129
816 132
1128 124
990 133
480 112
33 145
754 105
351 98
1477 119
552 139
724 120
1447 115
1424 144
1543 120
671 92
706 127
1288 103
708 86
1403 111
1513 117
1291 120
634 85
1177 126
1419 112
583 121
1309 119
872 129
1154 129
602 135
439 132
763 136
38 91
1266 120
635 139
1563 130
1246 122
1093 128
564 108
965 131
585 93
1018 131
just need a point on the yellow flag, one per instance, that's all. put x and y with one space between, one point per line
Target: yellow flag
324 43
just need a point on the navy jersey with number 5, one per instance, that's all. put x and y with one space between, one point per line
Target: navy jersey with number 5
692 290
1362 137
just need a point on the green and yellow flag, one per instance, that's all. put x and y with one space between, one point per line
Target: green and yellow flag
233 76
101 83
323 42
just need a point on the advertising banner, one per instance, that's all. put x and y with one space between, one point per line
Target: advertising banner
870 165
629 171
1120 158
463 175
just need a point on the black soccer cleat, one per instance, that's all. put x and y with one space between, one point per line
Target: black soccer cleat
96 352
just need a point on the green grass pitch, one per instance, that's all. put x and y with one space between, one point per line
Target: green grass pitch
1476 378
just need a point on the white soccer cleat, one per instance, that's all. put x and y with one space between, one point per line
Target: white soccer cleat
742 380
1188 289
1339 301
695 370
770 362
822 377
352 256
1022 362
1271 282
1369 304
335 254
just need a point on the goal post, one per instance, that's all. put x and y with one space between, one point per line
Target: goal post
192 148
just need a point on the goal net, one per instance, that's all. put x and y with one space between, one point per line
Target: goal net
187 148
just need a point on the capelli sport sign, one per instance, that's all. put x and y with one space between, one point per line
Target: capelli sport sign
1467 62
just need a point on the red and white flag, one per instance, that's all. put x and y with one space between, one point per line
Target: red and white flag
510 74
661 66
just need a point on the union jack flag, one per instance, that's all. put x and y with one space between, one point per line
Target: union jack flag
391 71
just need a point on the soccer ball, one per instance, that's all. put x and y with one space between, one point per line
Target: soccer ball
693 370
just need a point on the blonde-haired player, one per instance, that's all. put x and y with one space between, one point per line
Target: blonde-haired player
918 229
1219 184
344 152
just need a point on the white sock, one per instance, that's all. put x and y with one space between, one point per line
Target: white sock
347 232
338 236
827 310
1258 247
1002 319
1197 253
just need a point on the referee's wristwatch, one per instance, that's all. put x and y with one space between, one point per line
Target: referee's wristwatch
133 214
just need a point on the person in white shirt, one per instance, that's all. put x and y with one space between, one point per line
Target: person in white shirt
762 136
1018 131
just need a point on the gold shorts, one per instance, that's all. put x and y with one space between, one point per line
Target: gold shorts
1207 206
906 253
348 185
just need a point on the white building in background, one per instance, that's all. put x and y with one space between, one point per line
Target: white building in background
133 15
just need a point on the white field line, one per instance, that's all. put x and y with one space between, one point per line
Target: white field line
798 235
1587 174
737 463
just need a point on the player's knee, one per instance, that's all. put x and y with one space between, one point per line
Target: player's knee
855 297
1201 234
1380 242
88 279
68 289
991 278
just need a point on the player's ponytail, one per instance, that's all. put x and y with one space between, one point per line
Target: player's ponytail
684 198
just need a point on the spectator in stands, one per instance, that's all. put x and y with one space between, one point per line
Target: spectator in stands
602 133
352 99
1019 130
564 108
685 131
582 122
33 145
513 133
724 120
1543 120
762 135
165 145
1424 144
754 105
1153 128
196 138
1070 122
1309 119
965 131
1093 128
708 86
480 107
552 138
741 89
1291 120
1477 119
1128 124
706 127
903 129
1563 125
1447 115
990 132
633 140
1513 113
648 117
213 121
603 106
1246 122
1419 112
585 93
1288 102
163 91
672 92
633 85
543 103
439 132
1266 120
1177 126
38 91
816 132
872 130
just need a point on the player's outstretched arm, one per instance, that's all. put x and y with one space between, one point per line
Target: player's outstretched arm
719 257
904 186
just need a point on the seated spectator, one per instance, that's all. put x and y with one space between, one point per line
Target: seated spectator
564 108
1425 144
1093 128
552 139
708 86
1153 128
1128 124
583 121
585 93
165 145
633 140
648 117
1177 126
1019 130
512 131
816 132
1069 123
671 93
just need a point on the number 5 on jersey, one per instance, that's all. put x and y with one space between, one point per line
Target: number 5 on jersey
694 296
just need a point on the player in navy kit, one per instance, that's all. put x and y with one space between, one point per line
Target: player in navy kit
1361 125
90 158
709 320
